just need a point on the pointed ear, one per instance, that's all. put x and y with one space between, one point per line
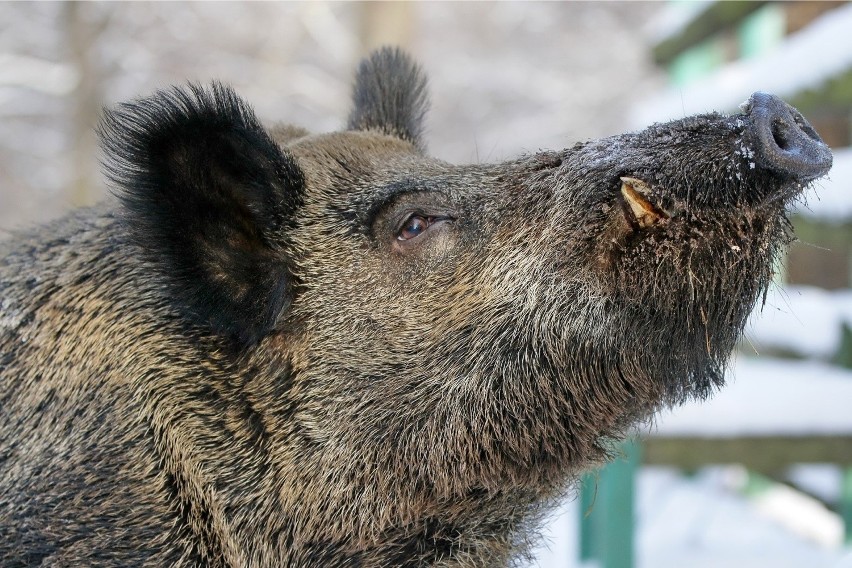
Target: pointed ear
390 96
210 198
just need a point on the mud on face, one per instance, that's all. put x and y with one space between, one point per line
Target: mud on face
681 225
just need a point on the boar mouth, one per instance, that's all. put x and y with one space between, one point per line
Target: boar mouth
639 209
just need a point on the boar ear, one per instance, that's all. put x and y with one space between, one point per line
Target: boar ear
390 96
210 198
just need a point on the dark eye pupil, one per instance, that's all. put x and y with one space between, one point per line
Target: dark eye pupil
413 227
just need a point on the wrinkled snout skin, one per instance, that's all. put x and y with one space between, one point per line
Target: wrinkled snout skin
286 349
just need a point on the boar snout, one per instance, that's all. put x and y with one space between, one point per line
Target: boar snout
785 141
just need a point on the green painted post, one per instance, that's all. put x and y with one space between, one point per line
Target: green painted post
846 504
606 511
588 530
616 495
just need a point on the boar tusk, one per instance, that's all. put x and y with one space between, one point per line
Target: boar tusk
645 213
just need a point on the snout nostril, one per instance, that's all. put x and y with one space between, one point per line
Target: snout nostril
785 141
805 127
779 136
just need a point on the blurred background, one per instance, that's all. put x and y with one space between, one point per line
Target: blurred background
761 476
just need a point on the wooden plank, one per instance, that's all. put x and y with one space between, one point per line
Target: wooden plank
767 454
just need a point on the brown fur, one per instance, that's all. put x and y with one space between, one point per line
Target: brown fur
368 402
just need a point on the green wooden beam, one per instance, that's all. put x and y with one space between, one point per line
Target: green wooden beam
766 454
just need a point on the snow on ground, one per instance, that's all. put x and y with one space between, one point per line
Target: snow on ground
768 396
800 319
823 480
704 520
560 546
695 522
701 522
830 199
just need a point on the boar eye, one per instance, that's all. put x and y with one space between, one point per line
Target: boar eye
413 226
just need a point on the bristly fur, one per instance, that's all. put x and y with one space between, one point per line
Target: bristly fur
209 196
427 393
390 95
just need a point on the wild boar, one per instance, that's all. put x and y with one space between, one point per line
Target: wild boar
287 349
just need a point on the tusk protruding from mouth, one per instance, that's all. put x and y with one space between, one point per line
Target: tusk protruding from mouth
644 212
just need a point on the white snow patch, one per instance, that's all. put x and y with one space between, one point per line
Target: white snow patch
559 547
699 521
702 522
823 480
830 198
845 562
801 319
768 397
810 520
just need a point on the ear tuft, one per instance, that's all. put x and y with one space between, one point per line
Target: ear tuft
210 198
391 96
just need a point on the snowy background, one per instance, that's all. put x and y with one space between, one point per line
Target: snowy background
505 78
